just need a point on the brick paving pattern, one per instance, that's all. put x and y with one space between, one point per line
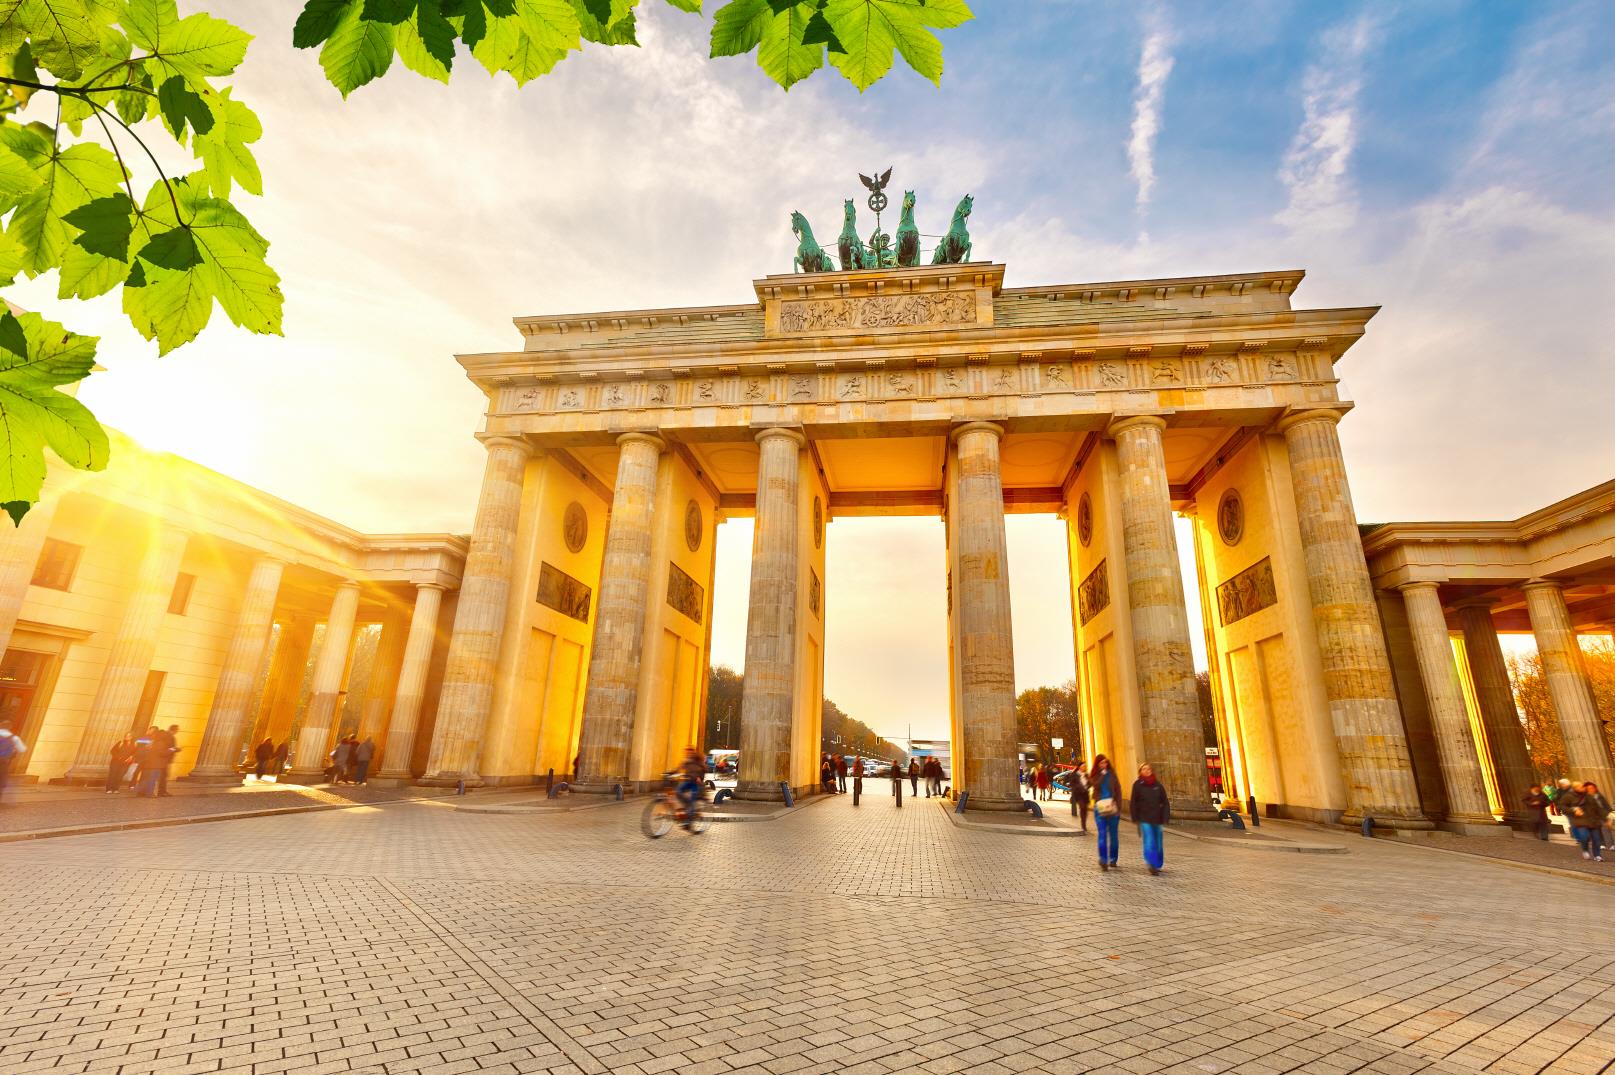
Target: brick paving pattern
416 937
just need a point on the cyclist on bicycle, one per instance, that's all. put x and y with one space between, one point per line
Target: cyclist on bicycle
691 775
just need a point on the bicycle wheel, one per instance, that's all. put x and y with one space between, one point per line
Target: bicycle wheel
700 817
657 820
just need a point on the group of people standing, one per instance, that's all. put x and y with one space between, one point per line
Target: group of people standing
1582 805
350 760
142 763
1039 780
833 771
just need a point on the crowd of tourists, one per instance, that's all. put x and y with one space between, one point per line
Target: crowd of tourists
1584 807
834 770
141 763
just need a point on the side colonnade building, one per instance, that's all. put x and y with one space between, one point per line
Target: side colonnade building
158 592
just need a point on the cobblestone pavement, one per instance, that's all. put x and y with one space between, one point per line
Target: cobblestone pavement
417 937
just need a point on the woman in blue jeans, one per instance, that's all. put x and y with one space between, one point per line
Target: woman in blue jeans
1107 814
1149 807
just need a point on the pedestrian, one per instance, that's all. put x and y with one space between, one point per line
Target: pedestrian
1107 810
1045 782
1148 806
1557 792
146 764
1079 795
262 755
119 758
341 758
363 754
841 774
914 776
1536 807
164 747
283 753
1609 815
857 779
1586 810
11 748
827 774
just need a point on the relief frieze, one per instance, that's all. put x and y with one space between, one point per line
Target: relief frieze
1093 596
1248 592
684 593
879 311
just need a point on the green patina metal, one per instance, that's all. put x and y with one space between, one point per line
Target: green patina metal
810 257
879 252
955 246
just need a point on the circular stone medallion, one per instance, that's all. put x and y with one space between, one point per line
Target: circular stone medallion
575 526
1231 517
1085 520
818 523
693 525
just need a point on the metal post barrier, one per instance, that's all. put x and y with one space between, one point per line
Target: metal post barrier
785 791
459 789
616 791
1033 808
1232 815
1368 825
555 790
857 789
723 793
897 792
964 797
1250 805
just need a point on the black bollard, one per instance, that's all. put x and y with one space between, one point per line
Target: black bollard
785 793
459 789
857 789
897 792
549 785
1368 826
616 790
964 799
1250 805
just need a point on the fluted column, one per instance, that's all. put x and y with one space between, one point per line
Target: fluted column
1455 742
19 555
129 661
986 652
235 701
1505 735
309 755
1586 748
768 698
291 664
1374 758
619 622
411 692
479 620
1174 741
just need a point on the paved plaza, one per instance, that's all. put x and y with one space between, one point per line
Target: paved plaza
420 937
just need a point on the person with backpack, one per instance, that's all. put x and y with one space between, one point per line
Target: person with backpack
11 748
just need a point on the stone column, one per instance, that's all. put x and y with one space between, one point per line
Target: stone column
1586 748
411 692
619 621
19 556
479 621
986 652
1174 741
235 700
124 676
768 700
1373 747
308 756
1505 736
286 677
1455 742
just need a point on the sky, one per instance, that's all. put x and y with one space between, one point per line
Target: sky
1450 162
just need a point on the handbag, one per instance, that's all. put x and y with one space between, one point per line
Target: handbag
1106 807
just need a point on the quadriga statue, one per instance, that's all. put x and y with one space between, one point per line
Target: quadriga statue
908 233
810 257
850 248
955 246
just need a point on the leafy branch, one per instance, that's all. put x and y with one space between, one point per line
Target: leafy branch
143 74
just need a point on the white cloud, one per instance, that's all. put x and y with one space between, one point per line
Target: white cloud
1154 67
1314 172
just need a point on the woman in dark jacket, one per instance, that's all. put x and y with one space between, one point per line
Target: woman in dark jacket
1107 814
1536 807
1148 806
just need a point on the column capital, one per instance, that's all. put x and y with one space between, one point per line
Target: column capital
977 427
1421 586
438 586
1483 604
1331 413
642 437
491 441
781 431
1540 584
1134 421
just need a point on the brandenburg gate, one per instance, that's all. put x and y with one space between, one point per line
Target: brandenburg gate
617 441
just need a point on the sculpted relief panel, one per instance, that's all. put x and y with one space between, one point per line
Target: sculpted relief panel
879 311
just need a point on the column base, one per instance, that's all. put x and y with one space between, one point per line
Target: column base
450 780
1353 819
393 780
1475 827
84 777
213 776
305 776
759 791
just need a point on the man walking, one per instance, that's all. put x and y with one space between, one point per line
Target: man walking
362 755
164 746
841 773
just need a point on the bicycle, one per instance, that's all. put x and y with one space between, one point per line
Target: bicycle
666 810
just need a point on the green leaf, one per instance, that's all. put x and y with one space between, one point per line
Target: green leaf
184 268
11 254
68 179
197 47
530 41
181 105
64 35
870 29
105 225
738 26
692 6
133 107
357 51
391 12
426 43
319 20
223 147
945 14
785 53
37 357
17 178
